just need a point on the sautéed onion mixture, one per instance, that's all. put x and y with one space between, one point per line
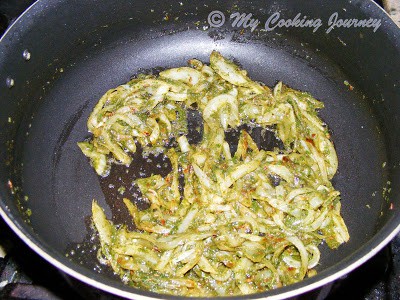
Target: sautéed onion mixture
243 222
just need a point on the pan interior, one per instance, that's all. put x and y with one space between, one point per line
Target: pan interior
60 183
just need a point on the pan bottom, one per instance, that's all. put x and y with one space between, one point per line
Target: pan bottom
60 183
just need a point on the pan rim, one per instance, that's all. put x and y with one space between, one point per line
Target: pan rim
17 20
45 252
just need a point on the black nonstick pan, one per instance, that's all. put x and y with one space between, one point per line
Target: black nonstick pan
59 57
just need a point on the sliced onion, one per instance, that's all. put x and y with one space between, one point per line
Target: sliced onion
183 144
187 221
303 253
315 256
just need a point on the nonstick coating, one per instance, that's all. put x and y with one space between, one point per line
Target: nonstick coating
73 65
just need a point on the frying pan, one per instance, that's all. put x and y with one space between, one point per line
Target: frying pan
59 57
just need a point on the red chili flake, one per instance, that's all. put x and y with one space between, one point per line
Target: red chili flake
162 222
10 185
311 141
120 260
313 135
285 159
